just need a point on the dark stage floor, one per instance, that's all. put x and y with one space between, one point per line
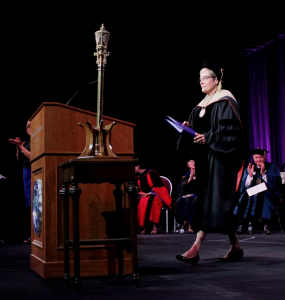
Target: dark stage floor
261 274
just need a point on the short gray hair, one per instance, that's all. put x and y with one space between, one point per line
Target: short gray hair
212 73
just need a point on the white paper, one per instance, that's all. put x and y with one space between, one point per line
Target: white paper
256 189
282 174
187 196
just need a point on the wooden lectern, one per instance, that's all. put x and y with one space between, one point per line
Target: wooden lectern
55 138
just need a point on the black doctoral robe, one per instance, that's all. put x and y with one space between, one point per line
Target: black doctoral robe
219 162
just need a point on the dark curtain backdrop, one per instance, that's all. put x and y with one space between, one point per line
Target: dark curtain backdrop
266 99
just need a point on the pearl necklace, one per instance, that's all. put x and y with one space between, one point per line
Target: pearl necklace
203 110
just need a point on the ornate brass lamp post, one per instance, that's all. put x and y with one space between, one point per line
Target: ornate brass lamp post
102 39
98 139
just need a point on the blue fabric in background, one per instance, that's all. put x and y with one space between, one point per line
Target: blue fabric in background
27 185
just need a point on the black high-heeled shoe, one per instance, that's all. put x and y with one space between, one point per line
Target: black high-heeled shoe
193 260
238 256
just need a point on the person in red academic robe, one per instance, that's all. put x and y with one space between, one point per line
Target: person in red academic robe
152 194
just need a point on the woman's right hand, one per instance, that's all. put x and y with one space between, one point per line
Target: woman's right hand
142 194
185 123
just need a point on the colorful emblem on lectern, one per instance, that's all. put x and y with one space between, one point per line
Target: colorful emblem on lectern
37 206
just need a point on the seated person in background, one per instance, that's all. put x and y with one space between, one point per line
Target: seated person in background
258 208
152 192
187 195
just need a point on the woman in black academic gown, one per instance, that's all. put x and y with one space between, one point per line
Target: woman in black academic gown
218 152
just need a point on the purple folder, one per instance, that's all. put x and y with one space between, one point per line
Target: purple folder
179 127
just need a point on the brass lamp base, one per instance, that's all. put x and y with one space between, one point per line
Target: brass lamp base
98 141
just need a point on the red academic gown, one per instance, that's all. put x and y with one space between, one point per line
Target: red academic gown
149 207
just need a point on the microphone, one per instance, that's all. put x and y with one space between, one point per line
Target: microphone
80 89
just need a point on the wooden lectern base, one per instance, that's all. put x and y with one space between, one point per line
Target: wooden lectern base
114 171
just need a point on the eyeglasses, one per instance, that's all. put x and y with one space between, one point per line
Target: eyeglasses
205 78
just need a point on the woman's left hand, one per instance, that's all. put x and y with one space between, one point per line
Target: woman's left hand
199 138
17 141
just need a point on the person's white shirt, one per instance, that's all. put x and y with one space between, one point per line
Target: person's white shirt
249 179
